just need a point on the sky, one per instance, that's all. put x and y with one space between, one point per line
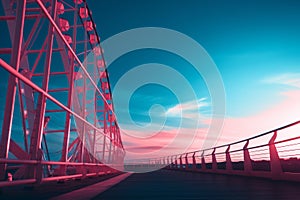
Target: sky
254 47
254 44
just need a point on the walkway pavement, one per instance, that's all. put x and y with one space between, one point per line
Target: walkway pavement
93 190
167 184
162 184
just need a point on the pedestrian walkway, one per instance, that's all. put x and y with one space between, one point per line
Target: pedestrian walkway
169 184
91 191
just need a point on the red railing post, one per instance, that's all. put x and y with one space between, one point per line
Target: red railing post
203 164
214 160
168 163
194 167
276 168
247 159
180 160
186 162
228 159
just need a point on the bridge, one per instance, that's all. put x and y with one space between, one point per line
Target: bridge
60 138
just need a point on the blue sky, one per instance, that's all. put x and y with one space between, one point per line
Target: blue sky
254 44
250 41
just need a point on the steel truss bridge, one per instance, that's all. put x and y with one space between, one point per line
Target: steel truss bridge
57 86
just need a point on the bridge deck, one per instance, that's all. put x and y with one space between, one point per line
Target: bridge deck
168 184
162 184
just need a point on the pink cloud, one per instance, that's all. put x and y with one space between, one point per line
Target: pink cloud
173 141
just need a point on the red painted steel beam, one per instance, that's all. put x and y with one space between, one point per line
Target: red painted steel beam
112 132
17 151
12 85
52 73
11 70
59 131
36 136
34 16
55 111
44 9
59 90
5 51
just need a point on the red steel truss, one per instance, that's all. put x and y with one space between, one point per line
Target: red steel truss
59 120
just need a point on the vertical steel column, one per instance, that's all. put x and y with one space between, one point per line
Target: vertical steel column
23 116
12 85
64 156
112 136
110 144
94 148
82 142
114 149
36 137
104 136
95 118
82 149
104 122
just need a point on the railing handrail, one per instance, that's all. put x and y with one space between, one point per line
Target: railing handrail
250 138
237 142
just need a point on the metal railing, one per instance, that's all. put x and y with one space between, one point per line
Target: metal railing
74 170
277 160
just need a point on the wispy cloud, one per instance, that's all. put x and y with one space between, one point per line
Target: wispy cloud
191 114
288 79
188 109
172 141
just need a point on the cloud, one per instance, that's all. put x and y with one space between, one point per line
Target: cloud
288 79
190 109
185 115
174 141
167 142
285 111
